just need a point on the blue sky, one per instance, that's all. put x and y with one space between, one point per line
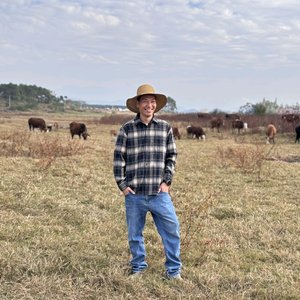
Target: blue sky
205 54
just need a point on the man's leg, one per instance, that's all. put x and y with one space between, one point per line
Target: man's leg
165 219
136 210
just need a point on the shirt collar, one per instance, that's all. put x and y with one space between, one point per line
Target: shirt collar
138 120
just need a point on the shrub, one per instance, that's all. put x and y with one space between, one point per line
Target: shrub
28 144
247 159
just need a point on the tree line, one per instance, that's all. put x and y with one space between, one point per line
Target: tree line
24 97
264 107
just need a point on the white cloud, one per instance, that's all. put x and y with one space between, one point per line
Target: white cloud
71 9
228 14
82 26
117 40
102 19
149 37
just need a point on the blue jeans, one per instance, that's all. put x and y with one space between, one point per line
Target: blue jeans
163 213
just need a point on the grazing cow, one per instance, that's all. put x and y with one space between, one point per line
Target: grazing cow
232 117
195 131
188 133
37 123
79 129
49 128
297 134
216 123
55 126
270 132
113 132
291 118
238 124
176 133
204 115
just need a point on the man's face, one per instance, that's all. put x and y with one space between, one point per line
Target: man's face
146 105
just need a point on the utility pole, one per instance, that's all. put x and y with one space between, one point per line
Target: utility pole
9 101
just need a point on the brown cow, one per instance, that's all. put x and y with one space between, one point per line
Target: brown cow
232 117
79 129
291 118
270 132
37 123
216 123
238 124
204 115
113 132
176 133
55 126
195 131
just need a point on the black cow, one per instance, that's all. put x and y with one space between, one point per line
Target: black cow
297 134
232 117
204 115
79 129
37 123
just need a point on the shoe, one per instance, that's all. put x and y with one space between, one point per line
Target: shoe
135 274
177 277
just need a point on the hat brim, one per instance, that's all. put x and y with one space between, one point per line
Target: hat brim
161 101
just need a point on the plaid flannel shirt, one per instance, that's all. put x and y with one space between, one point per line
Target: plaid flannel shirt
144 156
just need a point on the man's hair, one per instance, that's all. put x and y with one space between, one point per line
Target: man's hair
139 97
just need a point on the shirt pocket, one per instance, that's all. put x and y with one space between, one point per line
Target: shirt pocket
159 147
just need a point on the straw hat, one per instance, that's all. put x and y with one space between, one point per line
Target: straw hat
146 89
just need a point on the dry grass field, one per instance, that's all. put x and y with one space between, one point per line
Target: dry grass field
63 230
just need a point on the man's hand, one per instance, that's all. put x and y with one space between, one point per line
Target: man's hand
163 188
127 191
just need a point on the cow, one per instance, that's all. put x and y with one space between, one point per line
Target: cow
188 132
195 131
176 133
55 126
204 115
49 128
270 132
113 132
37 123
291 118
79 129
216 123
232 117
238 124
297 134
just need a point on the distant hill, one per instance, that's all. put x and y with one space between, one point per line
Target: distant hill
186 111
192 110
105 106
24 97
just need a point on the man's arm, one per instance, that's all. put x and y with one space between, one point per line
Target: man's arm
171 156
120 158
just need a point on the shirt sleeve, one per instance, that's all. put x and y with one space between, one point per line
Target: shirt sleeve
120 158
171 156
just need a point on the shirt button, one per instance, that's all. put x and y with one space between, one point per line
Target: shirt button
146 164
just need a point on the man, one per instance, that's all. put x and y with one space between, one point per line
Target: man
144 164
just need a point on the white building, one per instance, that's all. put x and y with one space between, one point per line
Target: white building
290 110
